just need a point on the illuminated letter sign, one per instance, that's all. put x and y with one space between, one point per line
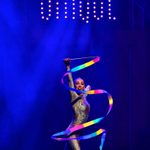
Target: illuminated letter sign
77 9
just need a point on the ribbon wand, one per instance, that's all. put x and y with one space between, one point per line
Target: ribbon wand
82 58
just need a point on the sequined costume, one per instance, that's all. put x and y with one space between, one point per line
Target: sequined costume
81 109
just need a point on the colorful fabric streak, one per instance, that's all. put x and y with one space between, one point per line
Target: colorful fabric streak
80 67
63 136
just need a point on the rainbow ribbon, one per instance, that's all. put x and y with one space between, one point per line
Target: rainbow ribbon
67 132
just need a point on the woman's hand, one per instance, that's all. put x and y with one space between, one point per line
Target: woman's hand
67 61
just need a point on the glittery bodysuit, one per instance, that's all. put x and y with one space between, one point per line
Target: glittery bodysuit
81 109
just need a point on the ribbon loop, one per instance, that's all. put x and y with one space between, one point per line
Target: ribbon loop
67 132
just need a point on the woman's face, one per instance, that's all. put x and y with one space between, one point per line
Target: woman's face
79 84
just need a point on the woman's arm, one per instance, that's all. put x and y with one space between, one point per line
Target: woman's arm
70 79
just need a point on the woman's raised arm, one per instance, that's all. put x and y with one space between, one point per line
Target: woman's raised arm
70 79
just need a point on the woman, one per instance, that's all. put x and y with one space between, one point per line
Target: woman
81 107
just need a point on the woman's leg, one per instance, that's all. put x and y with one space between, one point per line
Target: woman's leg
74 143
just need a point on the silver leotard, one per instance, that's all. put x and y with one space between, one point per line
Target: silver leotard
81 109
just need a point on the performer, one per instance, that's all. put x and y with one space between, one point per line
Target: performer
80 106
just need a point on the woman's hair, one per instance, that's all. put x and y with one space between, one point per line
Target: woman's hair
78 79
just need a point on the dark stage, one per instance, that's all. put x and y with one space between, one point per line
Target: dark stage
33 43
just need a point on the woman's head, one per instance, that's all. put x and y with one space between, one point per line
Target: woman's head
79 84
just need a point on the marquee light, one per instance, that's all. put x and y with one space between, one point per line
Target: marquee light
95 10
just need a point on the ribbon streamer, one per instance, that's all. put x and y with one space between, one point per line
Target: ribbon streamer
66 133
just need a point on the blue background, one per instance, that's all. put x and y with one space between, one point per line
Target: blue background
33 102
